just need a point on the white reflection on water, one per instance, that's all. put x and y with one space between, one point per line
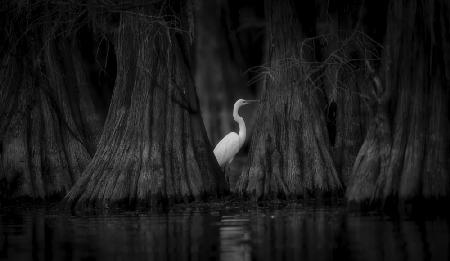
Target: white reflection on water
234 239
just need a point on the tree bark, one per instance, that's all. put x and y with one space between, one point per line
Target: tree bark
290 154
44 136
345 80
413 162
154 147
351 127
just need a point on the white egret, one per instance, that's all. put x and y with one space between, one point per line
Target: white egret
230 145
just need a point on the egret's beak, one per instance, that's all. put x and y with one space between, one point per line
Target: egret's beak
251 101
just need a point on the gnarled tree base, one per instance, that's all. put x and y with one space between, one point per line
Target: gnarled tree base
154 148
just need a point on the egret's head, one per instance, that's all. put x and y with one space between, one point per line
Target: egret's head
241 102
237 105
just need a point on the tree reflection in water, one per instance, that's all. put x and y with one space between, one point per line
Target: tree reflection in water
222 234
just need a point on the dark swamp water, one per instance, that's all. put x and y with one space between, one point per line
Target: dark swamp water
221 233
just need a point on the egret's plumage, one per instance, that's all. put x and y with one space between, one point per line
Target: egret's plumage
230 145
227 148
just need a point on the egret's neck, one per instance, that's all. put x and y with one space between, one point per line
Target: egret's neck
242 128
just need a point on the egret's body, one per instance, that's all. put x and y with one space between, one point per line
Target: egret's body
227 148
230 145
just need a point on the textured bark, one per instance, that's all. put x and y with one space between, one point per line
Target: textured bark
373 156
346 82
414 164
351 127
45 140
289 155
154 147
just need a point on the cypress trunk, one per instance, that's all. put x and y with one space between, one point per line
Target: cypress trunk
154 146
407 159
46 138
348 109
351 114
290 154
